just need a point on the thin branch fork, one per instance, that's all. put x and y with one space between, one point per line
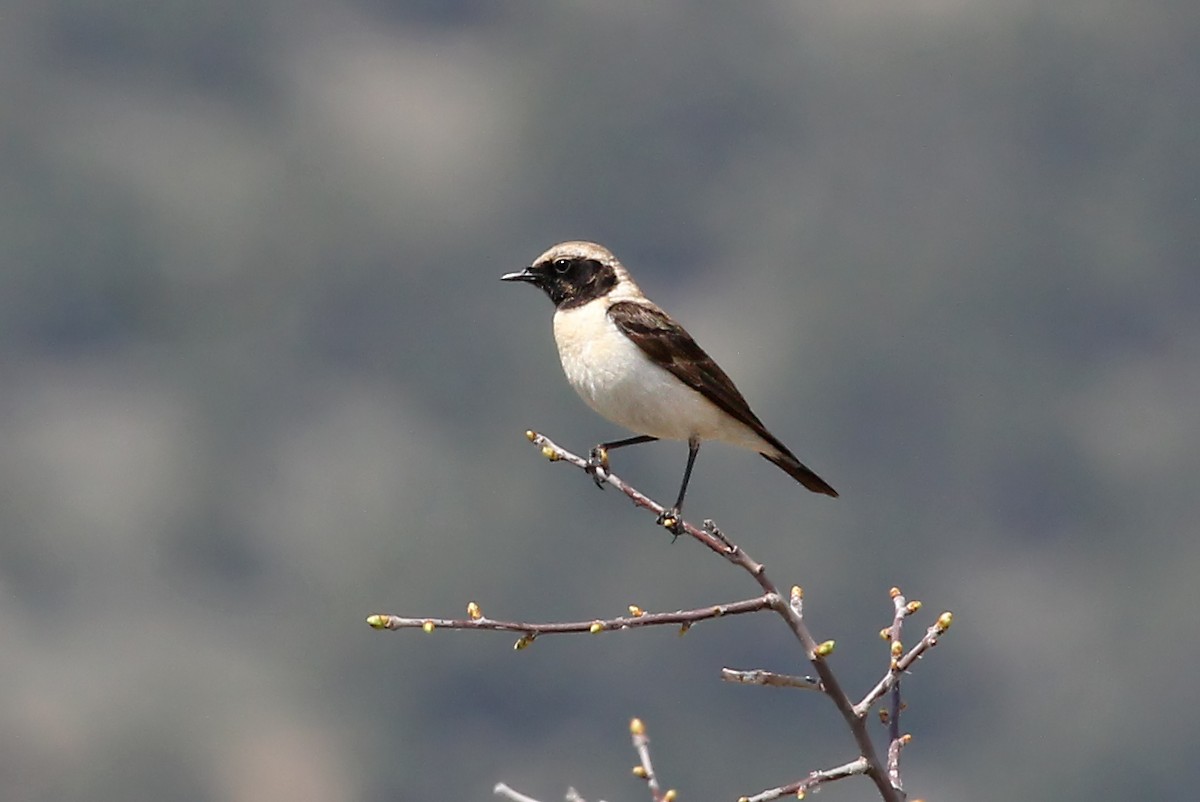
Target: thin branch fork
901 666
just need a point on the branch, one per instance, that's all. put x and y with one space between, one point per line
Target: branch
885 776
891 715
500 789
791 612
707 536
759 676
812 782
902 665
645 770
637 618
893 758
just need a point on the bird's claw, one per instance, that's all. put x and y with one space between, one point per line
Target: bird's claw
672 521
597 466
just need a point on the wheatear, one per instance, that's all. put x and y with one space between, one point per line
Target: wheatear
640 369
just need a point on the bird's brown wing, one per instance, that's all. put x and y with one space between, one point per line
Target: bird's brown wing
670 347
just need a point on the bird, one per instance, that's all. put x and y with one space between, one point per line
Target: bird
635 365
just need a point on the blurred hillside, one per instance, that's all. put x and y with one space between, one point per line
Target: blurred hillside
258 380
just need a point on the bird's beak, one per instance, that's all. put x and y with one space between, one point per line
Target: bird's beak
527 274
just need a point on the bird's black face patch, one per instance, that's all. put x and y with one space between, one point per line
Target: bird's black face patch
573 281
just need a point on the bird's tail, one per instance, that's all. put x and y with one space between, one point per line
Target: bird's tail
801 473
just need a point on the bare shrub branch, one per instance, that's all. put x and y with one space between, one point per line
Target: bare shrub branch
884 774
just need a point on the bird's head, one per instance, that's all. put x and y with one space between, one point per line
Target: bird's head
573 273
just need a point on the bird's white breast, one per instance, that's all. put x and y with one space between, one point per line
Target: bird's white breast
616 379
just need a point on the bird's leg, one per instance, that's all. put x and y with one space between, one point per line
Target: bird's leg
598 461
672 519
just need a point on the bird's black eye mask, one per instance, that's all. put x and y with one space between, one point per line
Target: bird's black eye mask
574 282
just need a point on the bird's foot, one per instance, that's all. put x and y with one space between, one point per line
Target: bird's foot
597 466
672 521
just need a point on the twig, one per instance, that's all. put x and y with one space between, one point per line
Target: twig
645 769
901 609
713 539
893 758
900 666
810 783
759 676
637 618
500 789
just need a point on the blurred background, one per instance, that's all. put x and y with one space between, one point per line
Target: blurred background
259 379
